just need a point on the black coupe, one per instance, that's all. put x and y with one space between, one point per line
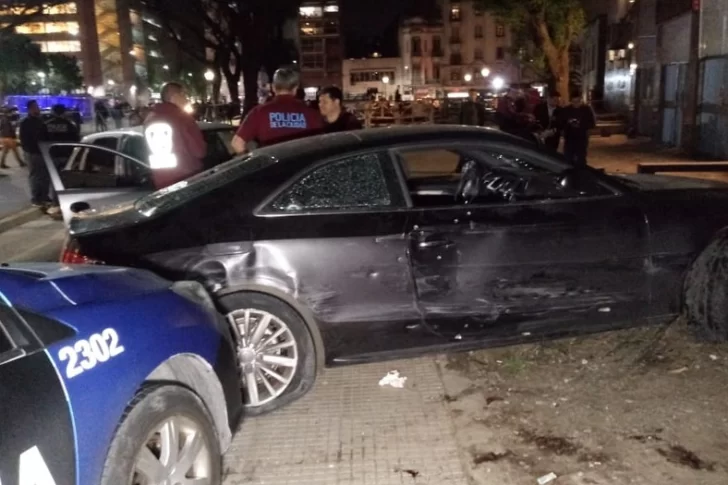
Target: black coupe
389 243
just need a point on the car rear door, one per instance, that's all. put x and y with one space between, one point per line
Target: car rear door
96 177
37 434
498 268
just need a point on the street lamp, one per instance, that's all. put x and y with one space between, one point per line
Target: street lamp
498 83
485 72
209 76
165 67
385 80
110 82
468 77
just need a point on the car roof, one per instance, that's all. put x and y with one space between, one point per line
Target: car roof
204 126
333 143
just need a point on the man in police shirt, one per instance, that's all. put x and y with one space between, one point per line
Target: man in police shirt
283 118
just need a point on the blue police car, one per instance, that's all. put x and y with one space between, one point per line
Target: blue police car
111 376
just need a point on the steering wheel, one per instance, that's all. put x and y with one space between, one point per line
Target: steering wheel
470 180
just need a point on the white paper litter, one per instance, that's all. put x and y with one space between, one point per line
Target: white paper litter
393 379
547 478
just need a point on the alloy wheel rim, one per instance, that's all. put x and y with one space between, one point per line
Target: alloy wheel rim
175 453
267 354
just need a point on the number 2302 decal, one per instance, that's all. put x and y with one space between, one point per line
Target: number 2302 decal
88 353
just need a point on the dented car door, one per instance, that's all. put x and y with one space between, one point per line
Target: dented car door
542 265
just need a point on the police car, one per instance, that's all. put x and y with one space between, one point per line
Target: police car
111 376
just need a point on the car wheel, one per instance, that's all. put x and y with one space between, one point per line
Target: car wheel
274 348
166 436
706 291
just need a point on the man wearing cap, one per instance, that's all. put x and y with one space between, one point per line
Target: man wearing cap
283 118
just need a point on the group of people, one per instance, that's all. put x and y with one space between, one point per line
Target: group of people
544 121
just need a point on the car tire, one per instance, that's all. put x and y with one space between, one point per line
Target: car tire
706 291
299 380
157 411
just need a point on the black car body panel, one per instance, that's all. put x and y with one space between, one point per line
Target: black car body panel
397 280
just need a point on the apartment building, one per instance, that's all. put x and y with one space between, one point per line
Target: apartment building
422 52
321 43
475 43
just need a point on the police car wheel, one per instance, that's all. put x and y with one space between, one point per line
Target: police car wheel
165 436
274 348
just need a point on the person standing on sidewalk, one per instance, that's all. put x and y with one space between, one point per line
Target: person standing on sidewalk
283 118
548 115
577 120
472 112
336 118
9 140
178 132
32 132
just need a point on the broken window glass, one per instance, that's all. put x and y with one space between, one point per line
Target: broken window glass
354 183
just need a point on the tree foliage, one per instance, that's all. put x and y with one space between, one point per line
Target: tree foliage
551 26
23 62
241 34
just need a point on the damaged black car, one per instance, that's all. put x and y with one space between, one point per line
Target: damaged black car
389 243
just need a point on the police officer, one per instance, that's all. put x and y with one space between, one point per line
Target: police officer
283 118
60 129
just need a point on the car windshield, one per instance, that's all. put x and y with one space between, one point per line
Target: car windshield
202 183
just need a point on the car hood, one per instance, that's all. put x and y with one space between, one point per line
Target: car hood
647 182
42 287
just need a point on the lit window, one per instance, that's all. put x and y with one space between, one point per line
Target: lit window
48 28
310 12
61 46
331 8
64 8
455 12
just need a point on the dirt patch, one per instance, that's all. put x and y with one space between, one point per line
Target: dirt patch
681 456
643 406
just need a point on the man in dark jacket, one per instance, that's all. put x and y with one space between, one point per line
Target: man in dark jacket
32 132
177 144
472 112
548 115
59 129
336 118
578 120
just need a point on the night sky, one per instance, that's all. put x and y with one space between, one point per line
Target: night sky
371 25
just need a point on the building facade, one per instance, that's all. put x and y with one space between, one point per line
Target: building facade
106 36
376 75
475 43
713 88
421 46
321 44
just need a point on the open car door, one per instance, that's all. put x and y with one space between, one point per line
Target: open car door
91 177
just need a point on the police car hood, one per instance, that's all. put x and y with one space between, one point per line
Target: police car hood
42 287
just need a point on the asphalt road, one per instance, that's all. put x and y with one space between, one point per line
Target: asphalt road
38 240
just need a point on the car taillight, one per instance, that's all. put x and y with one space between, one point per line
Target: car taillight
71 254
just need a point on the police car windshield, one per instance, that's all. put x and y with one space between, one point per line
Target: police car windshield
202 183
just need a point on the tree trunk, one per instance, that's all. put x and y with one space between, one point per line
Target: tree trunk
232 83
250 83
561 72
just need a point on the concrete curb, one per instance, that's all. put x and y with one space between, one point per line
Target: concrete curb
19 218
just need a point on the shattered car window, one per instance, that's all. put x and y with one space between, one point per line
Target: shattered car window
357 182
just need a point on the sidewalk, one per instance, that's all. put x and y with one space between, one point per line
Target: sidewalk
14 189
619 154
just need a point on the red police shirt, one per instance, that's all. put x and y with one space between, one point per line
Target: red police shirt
283 118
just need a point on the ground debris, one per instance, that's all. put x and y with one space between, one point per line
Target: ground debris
480 458
644 438
490 400
681 456
408 471
552 444
548 478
